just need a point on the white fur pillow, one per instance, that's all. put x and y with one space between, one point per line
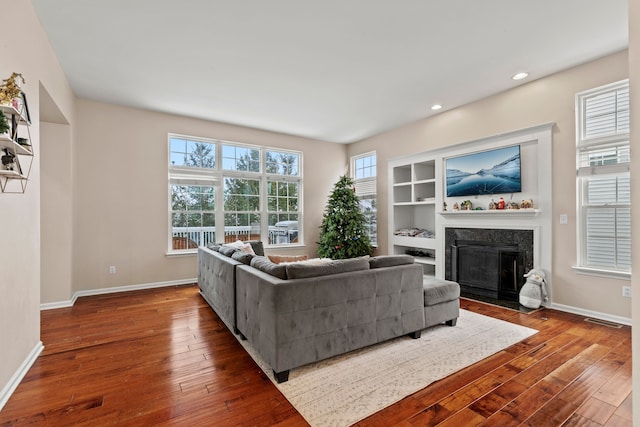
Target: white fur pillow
243 246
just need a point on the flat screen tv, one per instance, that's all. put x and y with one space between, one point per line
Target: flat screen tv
487 172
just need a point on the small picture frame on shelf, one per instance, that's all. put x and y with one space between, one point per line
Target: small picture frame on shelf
27 116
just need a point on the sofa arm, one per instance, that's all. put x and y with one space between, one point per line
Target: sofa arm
216 279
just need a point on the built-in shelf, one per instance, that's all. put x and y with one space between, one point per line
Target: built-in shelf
519 212
425 260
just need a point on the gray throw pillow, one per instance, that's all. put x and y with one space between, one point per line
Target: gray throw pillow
257 247
213 246
390 260
263 263
227 250
243 257
303 271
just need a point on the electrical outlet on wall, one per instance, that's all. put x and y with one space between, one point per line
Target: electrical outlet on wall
112 269
626 291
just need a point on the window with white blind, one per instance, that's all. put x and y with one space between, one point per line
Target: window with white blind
364 174
604 198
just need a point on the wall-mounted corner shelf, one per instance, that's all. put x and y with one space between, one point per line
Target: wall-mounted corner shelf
14 145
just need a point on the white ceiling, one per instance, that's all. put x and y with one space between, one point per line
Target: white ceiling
334 70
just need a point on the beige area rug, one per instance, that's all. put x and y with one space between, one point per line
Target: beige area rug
345 389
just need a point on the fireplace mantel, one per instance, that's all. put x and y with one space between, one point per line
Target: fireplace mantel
505 212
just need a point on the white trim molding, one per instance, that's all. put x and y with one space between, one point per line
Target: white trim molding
103 291
589 313
17 377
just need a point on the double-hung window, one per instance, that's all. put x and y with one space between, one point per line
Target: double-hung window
222 191
604 198
364 175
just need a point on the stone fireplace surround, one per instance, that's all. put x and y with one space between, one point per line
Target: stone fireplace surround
521 240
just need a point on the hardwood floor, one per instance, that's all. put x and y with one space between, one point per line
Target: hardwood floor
162 357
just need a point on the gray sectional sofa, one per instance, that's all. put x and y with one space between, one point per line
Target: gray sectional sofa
296 314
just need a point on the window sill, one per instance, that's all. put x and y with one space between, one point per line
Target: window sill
611 274
189 252
285 246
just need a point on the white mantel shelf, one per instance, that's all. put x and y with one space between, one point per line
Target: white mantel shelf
505 212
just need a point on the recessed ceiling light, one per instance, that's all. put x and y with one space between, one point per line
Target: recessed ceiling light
520 76
436 106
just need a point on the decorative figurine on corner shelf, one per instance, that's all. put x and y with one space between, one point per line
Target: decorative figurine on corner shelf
456 207
10 88
501 203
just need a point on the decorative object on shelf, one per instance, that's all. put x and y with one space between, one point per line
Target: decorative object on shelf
466 205
418 252
8 160
456 207
513 205
415 232
526 204
343 230
534 290
4 124
444 206
10 88
493 205
501 203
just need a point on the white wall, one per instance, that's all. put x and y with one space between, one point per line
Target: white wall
121 199
634 76
24 49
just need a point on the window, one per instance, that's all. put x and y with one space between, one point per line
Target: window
251 193
364 176
604 198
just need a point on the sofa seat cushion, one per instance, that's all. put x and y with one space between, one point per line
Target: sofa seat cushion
381 261
437 291
303 271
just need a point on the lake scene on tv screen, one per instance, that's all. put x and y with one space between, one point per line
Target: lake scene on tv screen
488 172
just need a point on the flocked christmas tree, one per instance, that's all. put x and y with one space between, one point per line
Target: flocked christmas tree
343 233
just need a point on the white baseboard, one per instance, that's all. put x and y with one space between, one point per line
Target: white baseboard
102 291
17 377
588 313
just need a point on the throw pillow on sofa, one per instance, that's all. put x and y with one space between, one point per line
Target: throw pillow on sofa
243 257
243 246
228 250
277 259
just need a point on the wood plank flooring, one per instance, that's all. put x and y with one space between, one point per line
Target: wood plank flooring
162 357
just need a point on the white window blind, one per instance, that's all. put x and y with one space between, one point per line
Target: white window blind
364 169
603 178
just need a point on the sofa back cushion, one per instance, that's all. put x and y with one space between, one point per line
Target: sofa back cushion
263 264
303 271
390 260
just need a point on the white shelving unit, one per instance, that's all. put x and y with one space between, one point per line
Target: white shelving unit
413 206
418 196
16 150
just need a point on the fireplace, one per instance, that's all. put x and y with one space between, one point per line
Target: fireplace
488 262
